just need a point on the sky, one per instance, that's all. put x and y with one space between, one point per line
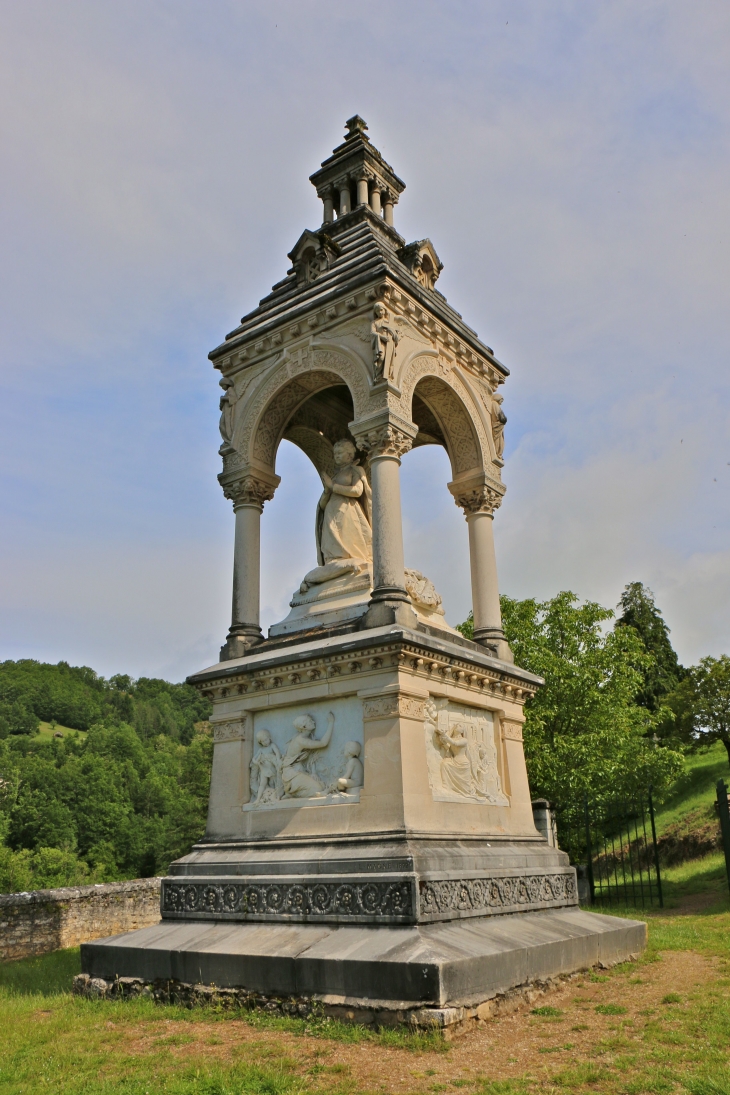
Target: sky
570 163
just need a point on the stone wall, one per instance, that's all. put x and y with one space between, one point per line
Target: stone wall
47 920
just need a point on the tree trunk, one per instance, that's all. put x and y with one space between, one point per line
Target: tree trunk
726 743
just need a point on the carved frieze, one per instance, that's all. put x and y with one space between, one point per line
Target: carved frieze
230 730
289 901
511 730
392 705
498 894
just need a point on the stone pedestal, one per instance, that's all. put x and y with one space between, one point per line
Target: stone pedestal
423 883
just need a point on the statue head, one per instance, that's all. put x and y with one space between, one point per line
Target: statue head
344 452
352 749
305 724
263 738
380 311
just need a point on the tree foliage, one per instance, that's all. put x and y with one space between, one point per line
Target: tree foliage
120 801
709 684
662 674
585 732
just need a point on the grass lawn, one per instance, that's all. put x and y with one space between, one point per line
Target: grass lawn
48 730
696 787
658 1025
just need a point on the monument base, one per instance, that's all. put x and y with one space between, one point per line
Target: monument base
393 968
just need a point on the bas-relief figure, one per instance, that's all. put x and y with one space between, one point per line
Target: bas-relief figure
499 421
278 776
227 408
385 340
343 523
461 753
266 770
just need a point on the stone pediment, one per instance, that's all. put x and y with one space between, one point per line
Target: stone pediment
312 255
422 261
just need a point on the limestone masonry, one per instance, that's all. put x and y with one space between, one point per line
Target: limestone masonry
370 833
47 920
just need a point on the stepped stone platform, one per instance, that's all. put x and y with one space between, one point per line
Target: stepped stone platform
438 965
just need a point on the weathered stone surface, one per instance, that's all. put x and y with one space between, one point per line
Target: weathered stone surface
459 963
47 920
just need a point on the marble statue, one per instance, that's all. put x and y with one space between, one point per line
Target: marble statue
353 775
343 532
385 340
227 408
298 771
266 769
499 421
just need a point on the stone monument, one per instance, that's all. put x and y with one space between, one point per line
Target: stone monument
370 836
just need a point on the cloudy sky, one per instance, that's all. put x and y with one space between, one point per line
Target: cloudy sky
569 161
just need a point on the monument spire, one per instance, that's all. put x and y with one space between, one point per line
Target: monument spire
356 175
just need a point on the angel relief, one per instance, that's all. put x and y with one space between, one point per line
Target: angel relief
462 757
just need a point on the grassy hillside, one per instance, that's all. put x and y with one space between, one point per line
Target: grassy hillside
687 822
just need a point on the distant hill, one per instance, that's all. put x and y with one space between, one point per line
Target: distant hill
122 792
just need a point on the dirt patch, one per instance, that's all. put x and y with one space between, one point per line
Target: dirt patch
563 1034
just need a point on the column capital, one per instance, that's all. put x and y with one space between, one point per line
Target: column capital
251 489
477 497
387 439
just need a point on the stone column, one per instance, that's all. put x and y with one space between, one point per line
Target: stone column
389 602
343 185
362 191
329 207
248 496
388 209
375 200
479 506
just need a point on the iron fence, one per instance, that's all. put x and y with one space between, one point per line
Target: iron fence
724 812
614 848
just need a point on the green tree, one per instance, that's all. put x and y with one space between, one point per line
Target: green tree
711 687
585 732
662 673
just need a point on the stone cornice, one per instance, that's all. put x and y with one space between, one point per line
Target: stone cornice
285 671
329 312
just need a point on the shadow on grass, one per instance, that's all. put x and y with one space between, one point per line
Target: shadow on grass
46 975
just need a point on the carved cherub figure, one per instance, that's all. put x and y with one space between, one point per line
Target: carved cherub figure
266 768
354 772
385 340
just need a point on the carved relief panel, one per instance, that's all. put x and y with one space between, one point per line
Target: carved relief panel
309 755
461 753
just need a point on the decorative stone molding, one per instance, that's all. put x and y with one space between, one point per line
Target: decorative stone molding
392 705
498 894
422 261
511 730
385 440
289 901
230 730
248 491
483 499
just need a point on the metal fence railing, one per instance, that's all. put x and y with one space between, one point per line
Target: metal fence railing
613 845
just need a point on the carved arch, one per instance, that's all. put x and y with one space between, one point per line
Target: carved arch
449 405
263 420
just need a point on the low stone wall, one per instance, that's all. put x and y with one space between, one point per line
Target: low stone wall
47 920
